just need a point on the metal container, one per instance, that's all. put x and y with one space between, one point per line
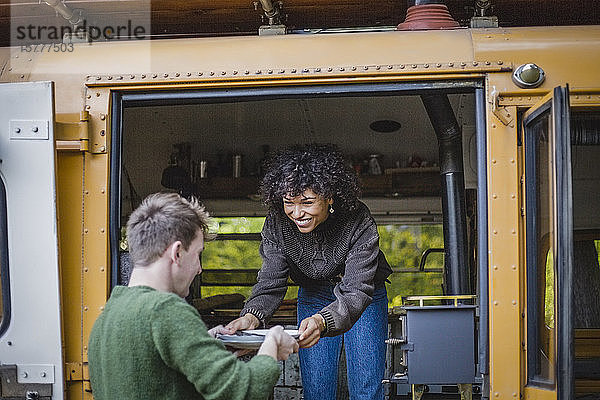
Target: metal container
237 165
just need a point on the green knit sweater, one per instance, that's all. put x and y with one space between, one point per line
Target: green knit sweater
148 344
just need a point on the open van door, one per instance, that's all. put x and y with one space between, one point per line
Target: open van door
548 192
31 363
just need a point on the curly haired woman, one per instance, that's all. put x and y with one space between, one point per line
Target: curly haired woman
320 235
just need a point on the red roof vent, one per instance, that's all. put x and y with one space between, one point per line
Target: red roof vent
427 16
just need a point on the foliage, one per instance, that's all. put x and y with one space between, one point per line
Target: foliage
402 245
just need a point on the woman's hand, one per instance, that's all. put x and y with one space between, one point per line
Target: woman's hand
278 344
310 330
248 321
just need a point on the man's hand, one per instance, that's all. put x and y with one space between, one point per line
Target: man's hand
310 330
219 329
248 321
278 344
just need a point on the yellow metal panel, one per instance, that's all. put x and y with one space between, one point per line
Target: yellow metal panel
531 393
95 242
504 289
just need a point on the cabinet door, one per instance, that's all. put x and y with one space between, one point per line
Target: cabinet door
549 247
30 331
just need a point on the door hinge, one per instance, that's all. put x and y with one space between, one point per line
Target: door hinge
77 371
500 111
73 135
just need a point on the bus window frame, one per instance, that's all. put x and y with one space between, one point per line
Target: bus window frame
151 95
4 270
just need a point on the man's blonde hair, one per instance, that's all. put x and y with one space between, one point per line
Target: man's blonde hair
161 219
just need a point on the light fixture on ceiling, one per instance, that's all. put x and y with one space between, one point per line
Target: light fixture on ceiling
385 126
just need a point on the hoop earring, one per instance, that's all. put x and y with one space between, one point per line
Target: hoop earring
331 210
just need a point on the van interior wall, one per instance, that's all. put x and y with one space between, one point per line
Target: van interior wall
217 131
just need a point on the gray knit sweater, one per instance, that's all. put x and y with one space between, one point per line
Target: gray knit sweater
342 251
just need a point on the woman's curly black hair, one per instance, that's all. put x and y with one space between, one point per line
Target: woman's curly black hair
320 167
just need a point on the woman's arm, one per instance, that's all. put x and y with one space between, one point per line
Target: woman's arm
269 291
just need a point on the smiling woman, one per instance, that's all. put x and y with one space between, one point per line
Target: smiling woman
321 236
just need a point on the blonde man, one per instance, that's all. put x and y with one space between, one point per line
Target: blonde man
148 343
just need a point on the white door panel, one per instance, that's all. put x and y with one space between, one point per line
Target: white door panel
32 339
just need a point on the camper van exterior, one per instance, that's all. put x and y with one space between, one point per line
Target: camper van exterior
68 118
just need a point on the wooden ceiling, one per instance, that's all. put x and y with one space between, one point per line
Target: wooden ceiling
196 18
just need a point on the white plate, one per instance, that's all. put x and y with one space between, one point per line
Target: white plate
250 339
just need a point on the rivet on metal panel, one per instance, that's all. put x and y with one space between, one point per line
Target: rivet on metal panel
85 230
495 232
378 67
86 192
293 70
500 62
98 78
119 77
495 267
366 68
512 160
270 71
101 308
246 72
475 63
493 161
223 73
281 71
487 63
101 269
97 94
514 302
463 64
9 343
512 196
401 66
102 117
189 74
496 394
88 107
258 72
200 73
451 64
102 191
329 69
167 75
414 65
22 76
154 76
235 72
353 68
306 70
89 96
495 196
514 232
85 308
496 303
109 78
101 230
514 267
85 269
438 65
102 149
342 69
131 76
317 69
176 74
425 65
494 126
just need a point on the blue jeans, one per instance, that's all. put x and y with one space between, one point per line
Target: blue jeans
364 345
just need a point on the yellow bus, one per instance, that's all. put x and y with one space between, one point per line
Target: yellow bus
477 149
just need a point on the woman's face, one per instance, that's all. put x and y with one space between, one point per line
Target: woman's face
307 210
